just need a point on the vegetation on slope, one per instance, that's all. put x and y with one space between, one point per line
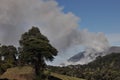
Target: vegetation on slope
103 68
64 77
27 73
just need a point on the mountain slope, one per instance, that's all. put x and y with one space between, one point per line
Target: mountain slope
76 57
88 56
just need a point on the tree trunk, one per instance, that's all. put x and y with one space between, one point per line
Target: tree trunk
37 69
38 66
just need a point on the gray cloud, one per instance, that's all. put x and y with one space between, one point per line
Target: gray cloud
17 16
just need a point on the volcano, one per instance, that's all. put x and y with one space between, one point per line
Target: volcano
88 56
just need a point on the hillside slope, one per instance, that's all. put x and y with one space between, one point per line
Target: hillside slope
19 73
64 77
103 68
27 73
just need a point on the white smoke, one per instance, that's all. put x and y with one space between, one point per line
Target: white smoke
17 16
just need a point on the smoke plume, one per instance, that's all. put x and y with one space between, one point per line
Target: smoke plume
17 16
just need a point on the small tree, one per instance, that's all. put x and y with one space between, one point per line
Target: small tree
9 52
7 57
35 49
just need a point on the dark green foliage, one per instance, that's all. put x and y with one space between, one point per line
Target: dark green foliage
103 68
8 53
53 78
35 49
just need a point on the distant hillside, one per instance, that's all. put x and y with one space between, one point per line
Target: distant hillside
103 68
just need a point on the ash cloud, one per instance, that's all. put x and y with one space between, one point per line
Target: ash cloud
17 16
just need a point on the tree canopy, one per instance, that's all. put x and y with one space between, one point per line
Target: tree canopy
35 48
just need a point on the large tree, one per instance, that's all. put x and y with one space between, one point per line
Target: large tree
35 48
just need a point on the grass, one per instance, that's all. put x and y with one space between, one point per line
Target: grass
19 73
64 77
20 70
